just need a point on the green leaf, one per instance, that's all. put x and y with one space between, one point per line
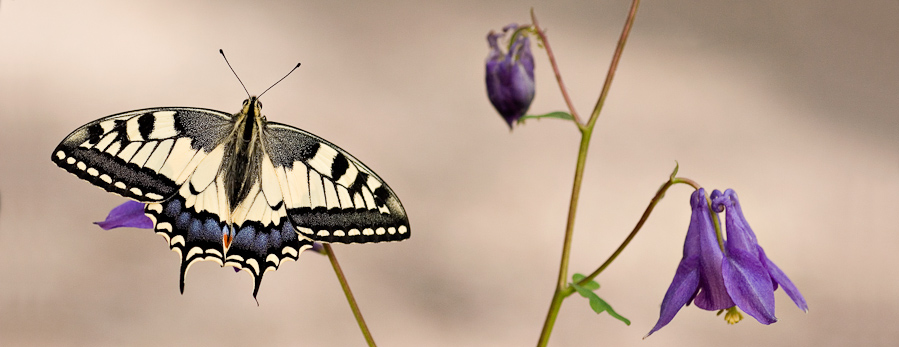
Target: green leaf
557 115
592 285
597 304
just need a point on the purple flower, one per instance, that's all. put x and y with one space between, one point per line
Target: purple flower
713 279
698 277
751 277
510 76
130 214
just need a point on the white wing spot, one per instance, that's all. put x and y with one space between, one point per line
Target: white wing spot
380 231
181 155
339 233
353 232
159 155
176 240
323 160
120 185
144 153
330 194
61 155
93 172
136 191
129 151
70 160
304 230
368 232
165 226
106 178
132 128
105 141
323 233
81 166
289 250
155 196
402 229
316 189
391 230
163 125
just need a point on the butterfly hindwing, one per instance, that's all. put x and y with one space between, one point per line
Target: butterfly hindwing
330 196
142 154
196 233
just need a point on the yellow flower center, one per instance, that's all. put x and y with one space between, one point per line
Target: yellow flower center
733 316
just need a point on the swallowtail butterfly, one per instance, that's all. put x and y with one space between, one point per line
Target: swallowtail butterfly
234 189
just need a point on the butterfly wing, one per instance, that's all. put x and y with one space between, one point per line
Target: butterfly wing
170 158
143 154
329 195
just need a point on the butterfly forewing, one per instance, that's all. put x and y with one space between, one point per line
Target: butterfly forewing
331 196
141 154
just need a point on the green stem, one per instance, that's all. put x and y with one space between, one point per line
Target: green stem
652 204
349 295
562 284
614 65
586 134
552 62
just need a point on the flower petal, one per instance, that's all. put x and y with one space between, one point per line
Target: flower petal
130 214
749 284
680 292
712 294
779 277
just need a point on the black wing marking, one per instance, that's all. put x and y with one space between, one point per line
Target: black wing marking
199 235
144 155
330 195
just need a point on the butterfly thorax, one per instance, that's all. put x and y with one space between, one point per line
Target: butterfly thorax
240 166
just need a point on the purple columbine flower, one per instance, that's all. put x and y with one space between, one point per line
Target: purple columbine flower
740 276
698 277
751 277
510 76
127 215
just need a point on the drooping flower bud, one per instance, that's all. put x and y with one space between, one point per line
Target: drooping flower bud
510 75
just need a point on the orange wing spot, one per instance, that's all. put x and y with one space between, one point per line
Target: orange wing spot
226 240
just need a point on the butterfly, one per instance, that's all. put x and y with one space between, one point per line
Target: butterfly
234 189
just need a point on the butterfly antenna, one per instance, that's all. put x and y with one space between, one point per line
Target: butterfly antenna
235 73
282 78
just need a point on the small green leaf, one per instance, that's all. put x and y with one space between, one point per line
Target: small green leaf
597 304
592 285
557 115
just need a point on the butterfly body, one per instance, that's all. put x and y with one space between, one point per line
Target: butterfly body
234 189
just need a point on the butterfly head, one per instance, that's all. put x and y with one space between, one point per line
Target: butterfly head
252 107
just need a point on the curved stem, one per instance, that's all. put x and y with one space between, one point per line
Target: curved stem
349 295
652 204
552 62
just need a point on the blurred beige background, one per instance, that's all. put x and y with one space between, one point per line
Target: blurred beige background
792 104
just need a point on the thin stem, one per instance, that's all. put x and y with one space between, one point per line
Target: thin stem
615 58
562 283
552 62
652 204
349 295
586 134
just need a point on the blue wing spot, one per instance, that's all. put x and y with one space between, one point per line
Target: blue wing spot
173 208
183 221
